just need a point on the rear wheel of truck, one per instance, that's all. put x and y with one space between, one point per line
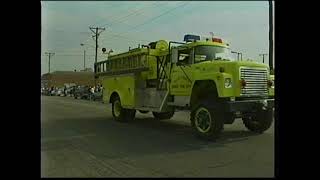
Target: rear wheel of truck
163 115
260 121
121 114
206 121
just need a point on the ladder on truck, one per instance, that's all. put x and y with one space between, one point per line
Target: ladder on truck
162 75
123 65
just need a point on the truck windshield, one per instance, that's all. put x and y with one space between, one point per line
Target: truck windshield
209 53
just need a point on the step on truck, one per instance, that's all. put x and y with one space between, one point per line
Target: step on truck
199 76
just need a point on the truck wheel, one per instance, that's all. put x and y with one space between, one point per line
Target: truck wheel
207 121
143 112
163 115
259 122
121 114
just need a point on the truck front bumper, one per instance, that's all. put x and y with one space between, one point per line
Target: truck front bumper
249 105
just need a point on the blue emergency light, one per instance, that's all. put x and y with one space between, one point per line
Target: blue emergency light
190 38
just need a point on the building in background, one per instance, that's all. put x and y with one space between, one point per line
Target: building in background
87 70
59 78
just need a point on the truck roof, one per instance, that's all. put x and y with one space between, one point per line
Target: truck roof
139 51
203 43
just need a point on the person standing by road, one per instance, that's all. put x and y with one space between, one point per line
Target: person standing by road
65 91
91 92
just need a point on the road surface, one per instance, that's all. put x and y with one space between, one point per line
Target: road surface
79 138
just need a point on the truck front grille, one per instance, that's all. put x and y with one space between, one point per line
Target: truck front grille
256 81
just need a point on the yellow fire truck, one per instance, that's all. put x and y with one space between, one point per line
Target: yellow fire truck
195 75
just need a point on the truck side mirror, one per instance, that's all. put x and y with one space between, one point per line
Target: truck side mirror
174 56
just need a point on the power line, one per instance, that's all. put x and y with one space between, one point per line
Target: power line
100 21
154 18
124 18
84 42
182 5
125 37
134 13
64 31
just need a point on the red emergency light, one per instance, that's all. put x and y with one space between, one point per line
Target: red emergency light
217 40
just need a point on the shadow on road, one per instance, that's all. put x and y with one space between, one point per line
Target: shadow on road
142 136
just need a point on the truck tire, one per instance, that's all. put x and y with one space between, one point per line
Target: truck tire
259 122
207 121
163 115
121 114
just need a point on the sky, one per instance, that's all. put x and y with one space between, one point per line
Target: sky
65 25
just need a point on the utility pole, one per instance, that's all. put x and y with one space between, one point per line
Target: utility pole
270 35
263 56
96 35
49 55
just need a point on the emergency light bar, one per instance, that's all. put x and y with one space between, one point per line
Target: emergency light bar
217 40
190 38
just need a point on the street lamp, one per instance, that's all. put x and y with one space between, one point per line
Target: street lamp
84 57
238 53
263 56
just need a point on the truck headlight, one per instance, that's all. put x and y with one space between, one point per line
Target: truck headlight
227 83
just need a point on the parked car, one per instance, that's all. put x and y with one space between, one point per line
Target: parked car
60 92
97 96
45 92
69 91
53 92
82 92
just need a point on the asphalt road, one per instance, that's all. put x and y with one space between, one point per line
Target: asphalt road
79 138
